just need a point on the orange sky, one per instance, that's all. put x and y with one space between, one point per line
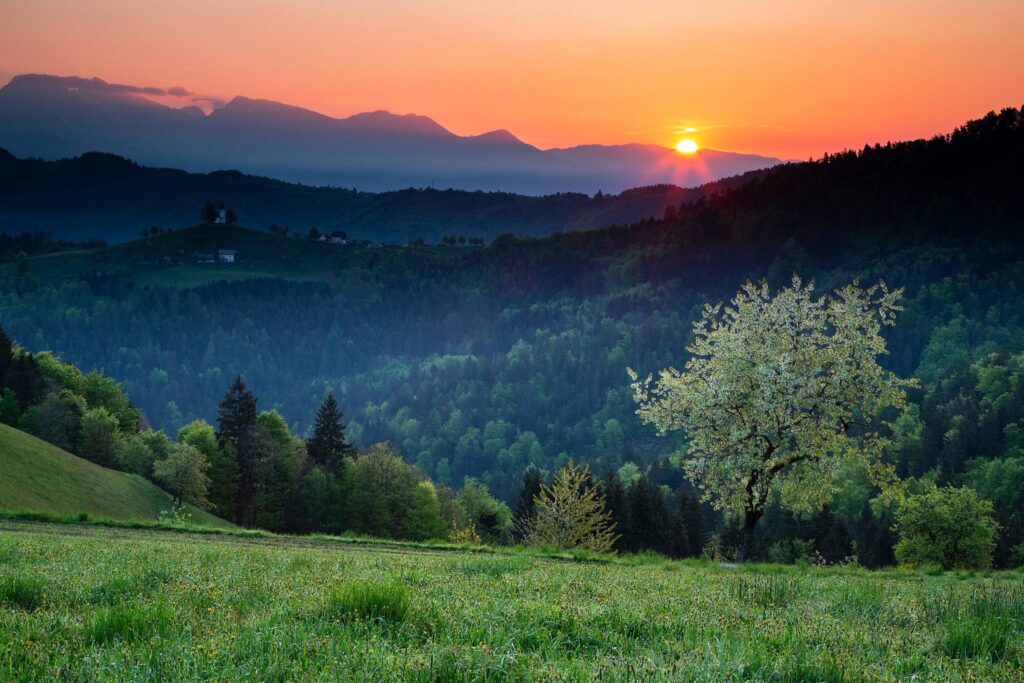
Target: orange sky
791 79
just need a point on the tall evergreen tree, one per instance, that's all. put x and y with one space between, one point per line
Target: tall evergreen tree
693 518
617 504
20 372
328 446
209 213
236 424
528 492
6 356
571 513
649 519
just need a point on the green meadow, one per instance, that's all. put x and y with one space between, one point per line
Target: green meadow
80 602
40 477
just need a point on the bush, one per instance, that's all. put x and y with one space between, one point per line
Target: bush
791 551
949 527
388 602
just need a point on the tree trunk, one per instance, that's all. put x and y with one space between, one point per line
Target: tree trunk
747 545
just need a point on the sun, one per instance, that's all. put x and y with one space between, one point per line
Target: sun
687 146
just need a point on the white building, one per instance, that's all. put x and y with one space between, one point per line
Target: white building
226 255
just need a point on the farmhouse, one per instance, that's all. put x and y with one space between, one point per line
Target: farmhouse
226 255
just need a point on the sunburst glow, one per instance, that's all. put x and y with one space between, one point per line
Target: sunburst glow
687 146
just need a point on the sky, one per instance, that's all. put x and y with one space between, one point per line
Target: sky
793 79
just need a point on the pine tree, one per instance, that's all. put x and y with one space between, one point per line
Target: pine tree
525 501
236 424
571 513
617 504
6 356
693 518
20 372
328 445
649 519
209 213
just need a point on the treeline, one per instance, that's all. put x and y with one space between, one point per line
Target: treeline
252 470
77 195
511 358
25 244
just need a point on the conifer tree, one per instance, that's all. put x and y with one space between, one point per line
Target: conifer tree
525 501
571 513
236 424
649 519
209 213
328 446
693 518
6 356
617 505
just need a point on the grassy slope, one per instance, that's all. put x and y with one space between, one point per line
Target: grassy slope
89 603
37 476
171 259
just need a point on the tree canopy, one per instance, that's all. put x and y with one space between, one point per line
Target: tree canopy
781 390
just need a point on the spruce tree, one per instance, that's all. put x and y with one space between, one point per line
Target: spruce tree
571 514
693 518
6 356
209 213
525 501
328 446
649 519
236 424
617 504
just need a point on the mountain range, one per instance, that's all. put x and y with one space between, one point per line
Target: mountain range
53 117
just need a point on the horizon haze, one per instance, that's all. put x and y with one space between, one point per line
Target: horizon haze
53 117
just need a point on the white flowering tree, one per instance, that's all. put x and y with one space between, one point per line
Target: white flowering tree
780 392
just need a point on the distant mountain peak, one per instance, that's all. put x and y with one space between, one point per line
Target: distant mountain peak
501 136
385 121
269 111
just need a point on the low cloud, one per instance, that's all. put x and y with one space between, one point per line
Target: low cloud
172 96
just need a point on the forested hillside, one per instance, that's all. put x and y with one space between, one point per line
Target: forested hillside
484 362
108 197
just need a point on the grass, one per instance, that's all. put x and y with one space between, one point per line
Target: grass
143 604
39 477
370 600
21 592
978 622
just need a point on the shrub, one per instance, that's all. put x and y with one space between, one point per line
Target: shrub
949 527
791 551
388 602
